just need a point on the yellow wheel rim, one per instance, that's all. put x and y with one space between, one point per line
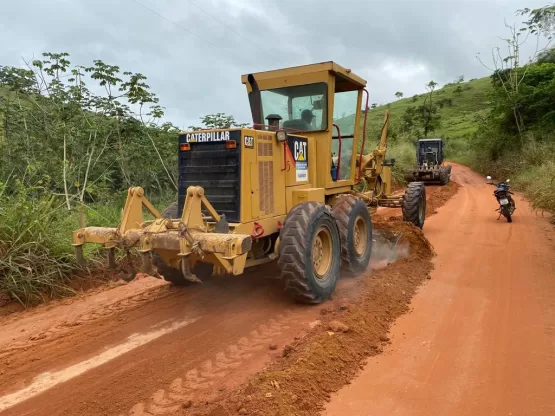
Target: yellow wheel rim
360 236
321 252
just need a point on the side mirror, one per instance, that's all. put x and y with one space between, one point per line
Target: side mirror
488 178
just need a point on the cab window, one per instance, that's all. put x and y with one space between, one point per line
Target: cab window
301 107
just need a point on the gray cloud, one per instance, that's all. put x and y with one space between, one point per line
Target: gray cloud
395 44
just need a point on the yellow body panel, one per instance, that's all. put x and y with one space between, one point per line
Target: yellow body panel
308 194
273 178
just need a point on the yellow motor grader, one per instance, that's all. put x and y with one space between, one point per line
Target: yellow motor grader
292 188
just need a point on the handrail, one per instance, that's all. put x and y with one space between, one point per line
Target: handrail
339 151
363 136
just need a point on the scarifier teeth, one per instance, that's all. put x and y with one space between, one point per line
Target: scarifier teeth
186 270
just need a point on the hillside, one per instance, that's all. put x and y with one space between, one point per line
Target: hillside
458 120
460 105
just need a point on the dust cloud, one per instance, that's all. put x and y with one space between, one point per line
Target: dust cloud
387 248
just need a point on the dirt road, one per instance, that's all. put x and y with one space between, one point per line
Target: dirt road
147 348
144 352
478 341
481 337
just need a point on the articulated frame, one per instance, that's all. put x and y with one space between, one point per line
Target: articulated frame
189 239
376 172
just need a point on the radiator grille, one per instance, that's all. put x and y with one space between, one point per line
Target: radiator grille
217 170
266 186
265 149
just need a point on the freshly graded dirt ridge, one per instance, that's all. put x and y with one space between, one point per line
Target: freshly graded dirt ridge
437 196
348 331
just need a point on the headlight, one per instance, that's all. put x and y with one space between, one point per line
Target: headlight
281 136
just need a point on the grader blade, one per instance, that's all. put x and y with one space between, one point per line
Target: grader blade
389 246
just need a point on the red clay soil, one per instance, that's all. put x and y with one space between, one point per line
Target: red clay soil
300 381
148 348
437 196
479 340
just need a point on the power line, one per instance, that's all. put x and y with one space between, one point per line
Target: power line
185 29
227 27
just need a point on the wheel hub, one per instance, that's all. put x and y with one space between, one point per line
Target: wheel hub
360 236
321 252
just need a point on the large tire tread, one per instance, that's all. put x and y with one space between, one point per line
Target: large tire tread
295 248
346 209
444 175
415 195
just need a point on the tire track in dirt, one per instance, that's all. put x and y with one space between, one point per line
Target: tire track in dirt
37 325
183 390
241 317
479 341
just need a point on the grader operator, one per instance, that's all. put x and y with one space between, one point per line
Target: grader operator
282 190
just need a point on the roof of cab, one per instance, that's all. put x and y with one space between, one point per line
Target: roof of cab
306 69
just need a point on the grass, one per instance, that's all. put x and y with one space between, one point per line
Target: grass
457 121
36 256
532 171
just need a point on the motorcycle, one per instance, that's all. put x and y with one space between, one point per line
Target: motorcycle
503 195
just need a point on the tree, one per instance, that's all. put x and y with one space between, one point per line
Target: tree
82 143
426 114
414 98
508 71
399 95
546 57
374 105
540 21
460 79
218 121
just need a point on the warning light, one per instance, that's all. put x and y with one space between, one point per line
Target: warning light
184 147
230 144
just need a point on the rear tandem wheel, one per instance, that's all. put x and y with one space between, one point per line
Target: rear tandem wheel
355 229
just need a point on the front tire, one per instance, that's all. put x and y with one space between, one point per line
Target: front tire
444 175
355 229
310 253
414 204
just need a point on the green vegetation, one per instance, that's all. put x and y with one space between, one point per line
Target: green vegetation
68 153
502 125
457 117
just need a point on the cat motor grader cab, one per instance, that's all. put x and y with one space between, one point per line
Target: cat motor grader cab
282 190
431 167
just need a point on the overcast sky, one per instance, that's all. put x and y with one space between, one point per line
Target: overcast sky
195 51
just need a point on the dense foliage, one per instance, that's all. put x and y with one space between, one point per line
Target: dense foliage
82 141
72 138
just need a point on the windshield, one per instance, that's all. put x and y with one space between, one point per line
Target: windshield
426 147
301 107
